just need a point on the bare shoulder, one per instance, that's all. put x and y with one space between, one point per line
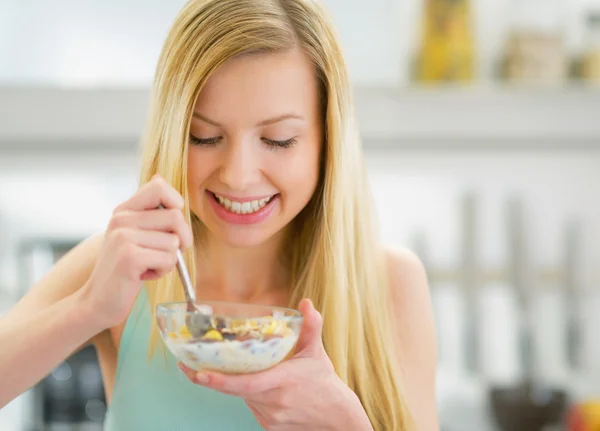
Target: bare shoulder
409 287
67 276
406 272
411 302
415 328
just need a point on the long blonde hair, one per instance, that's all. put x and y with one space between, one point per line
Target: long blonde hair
336 259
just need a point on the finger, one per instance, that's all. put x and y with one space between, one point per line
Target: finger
153 239
155 192
206 378
189 373
167 220
247 386
310 341
157 261
151 275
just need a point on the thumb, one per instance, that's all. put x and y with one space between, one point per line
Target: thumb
310 342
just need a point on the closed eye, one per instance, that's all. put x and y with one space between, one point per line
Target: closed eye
287 143
204 141
280 144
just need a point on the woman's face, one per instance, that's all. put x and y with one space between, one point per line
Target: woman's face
255 144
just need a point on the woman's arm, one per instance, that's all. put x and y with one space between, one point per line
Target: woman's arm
93 287
48 324
36 343
416 336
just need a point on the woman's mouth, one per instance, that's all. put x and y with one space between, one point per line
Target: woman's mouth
246 211
247 207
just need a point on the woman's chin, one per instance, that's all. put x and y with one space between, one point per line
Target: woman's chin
240 236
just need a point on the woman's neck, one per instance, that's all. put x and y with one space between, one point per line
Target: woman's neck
242 274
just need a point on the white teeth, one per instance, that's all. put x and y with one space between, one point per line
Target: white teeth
243 207
224 202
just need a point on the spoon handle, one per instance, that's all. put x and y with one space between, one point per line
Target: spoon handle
188 287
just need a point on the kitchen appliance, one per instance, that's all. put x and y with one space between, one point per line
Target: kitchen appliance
72 396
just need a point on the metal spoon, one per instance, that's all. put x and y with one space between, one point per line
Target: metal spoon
199 322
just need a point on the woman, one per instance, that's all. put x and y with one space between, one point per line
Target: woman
252 147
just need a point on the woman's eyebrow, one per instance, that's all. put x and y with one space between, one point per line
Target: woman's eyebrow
262 123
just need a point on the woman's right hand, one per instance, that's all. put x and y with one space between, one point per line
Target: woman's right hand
140 244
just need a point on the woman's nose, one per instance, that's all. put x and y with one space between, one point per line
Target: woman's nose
239 168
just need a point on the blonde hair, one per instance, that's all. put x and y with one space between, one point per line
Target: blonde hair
336 260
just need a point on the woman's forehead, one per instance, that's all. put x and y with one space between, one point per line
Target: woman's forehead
260 86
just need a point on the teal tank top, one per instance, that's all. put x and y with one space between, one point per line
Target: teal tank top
154 395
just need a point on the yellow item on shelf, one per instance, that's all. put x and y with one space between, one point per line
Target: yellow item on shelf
447 49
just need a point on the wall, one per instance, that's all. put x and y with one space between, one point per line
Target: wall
67 41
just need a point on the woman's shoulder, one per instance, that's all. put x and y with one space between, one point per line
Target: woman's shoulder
409 287
414 321
405 270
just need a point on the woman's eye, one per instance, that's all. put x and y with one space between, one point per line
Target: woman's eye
280 144
204 141
273 143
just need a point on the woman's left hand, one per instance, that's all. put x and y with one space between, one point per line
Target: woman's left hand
303 392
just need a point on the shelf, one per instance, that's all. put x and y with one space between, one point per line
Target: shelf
71 118
480 117
474 118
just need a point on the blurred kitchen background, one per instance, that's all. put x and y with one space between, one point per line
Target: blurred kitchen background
481 126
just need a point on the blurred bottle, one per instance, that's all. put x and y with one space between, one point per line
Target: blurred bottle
590 67
447 45
535 52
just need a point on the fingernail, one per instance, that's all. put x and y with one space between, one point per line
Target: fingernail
202 378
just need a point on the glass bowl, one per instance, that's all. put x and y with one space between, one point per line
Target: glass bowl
231 338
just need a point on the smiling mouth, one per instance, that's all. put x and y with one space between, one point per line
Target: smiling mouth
248 207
